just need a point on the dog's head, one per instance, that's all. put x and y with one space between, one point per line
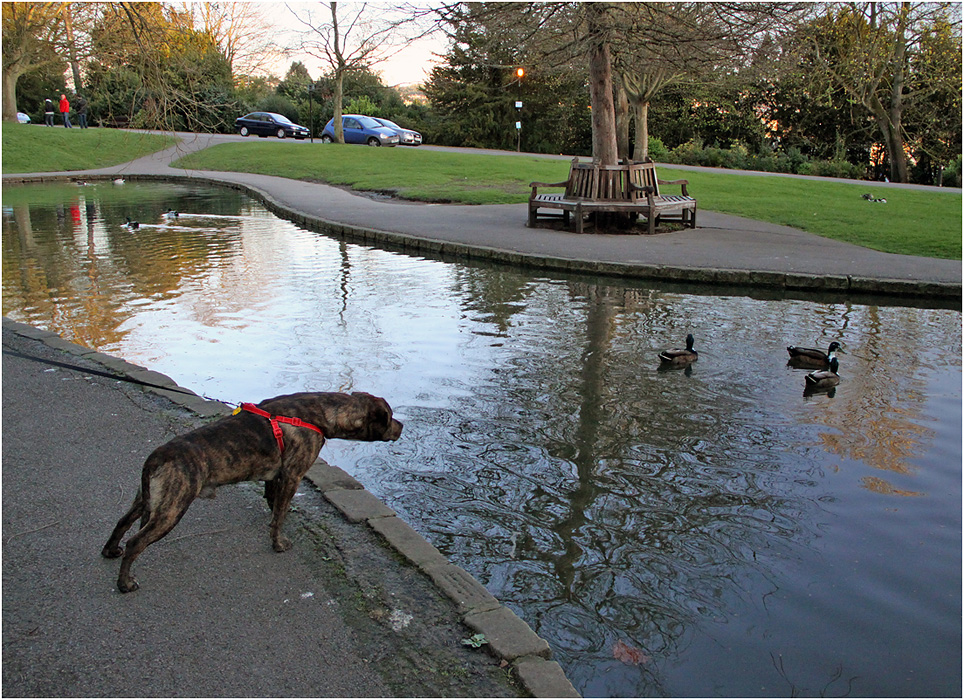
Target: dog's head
374 420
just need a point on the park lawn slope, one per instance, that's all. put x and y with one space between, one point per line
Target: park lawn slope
34 148
912 222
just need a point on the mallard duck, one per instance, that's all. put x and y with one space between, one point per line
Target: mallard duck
132 225
824 378
812 357
678 356
171 214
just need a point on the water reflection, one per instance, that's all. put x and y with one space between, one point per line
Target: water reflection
653 526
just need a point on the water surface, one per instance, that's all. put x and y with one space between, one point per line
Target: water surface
686 533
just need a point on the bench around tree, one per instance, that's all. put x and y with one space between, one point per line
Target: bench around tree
631 188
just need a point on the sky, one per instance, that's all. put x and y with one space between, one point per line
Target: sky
410 65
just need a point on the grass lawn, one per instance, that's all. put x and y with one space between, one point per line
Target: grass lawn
34 148
913 222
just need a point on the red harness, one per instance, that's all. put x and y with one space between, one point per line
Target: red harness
275 428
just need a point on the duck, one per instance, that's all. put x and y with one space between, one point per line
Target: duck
171 214
812 357
824 378
679 357
119 181
132 225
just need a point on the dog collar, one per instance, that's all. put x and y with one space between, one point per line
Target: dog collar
275 420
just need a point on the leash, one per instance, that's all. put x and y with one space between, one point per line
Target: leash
109 375
275 420
249 407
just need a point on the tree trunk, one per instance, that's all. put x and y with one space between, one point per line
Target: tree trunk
336 100
622 123
603 110
641 112
72 48
10 77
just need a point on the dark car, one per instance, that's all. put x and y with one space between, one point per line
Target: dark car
406 137
361 129
269 124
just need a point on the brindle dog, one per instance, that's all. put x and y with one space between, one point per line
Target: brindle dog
242 447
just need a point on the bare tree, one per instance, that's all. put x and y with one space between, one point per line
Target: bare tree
672 42
349 37
242 30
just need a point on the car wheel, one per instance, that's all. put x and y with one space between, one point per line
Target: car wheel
244 131
281 133
327 139
374 142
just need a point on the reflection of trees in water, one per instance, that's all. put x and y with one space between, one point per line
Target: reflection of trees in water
71 267
886 371
611 502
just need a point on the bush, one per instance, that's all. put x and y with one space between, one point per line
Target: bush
657 150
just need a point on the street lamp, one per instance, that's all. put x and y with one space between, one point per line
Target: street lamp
520 73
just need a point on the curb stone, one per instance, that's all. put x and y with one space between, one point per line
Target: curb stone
509 637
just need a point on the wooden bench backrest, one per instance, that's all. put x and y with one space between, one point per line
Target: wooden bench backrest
610 182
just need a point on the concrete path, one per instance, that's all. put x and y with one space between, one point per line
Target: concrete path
724 249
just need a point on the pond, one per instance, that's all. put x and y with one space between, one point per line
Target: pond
707 532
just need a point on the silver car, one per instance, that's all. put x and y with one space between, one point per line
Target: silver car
406 137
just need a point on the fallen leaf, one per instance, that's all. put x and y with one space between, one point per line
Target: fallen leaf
629 654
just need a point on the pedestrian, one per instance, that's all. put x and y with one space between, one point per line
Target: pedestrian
48 112
81 104
65 111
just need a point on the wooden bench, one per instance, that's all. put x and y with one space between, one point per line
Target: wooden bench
631 188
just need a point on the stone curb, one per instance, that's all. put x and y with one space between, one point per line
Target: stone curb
509 637
719 277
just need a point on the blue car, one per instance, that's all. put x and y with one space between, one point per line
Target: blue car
361 129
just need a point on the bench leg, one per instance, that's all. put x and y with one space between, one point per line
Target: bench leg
532 216
578 218
651 223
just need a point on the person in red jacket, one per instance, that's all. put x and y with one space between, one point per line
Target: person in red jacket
65 110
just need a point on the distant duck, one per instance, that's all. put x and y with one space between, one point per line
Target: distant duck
821 379
812 357
678 357
171 214
119 181
132 225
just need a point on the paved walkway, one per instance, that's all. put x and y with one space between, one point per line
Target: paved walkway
723 249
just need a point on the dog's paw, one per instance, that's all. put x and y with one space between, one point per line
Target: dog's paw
128 585
109 552
282 544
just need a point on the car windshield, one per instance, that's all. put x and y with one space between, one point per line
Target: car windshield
280 118
389 122
368 123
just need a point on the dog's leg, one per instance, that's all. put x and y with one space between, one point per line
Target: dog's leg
270 487
112 549
162 521
285 486
169 494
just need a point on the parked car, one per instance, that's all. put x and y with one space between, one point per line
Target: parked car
269 124
406 137
361 129
23 118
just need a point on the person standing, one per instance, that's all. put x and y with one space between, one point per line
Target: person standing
48 112
65 110
81 104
